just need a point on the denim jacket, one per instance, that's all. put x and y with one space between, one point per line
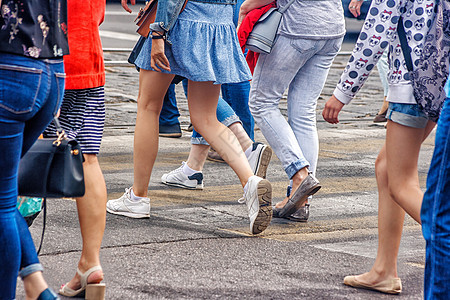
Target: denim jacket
168 11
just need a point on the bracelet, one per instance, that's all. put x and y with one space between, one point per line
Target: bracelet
158 35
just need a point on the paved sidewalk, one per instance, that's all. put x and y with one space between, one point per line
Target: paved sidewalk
197 245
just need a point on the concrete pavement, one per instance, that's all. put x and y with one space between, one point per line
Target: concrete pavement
197 245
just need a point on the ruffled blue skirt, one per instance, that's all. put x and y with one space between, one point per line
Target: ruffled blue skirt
205 46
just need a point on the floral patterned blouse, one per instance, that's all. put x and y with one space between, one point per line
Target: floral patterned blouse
34 28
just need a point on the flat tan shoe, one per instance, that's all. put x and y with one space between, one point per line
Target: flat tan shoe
388 286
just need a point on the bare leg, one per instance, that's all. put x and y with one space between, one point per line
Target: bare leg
202 100
390 226
241 135
34 284
198 153
398 190
402 150
197 156
152 88
92 217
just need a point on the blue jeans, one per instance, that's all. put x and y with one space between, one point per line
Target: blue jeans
225 115
169 112
301 65
435 213
31 92
236 95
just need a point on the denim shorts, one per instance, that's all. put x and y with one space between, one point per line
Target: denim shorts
410 115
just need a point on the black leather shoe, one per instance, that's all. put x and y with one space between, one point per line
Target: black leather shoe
172 131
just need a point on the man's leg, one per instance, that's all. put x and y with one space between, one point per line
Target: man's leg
169 126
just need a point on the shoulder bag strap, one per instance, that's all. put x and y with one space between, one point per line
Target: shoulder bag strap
60 133
404 44
44 220
284 8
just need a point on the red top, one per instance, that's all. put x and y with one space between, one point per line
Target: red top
246 27
84 66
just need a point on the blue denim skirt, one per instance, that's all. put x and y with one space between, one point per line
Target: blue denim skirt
205 46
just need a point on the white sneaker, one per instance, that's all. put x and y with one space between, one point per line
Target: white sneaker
125 207
259 203
259 159
179 179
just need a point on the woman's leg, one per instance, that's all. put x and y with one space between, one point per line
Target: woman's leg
199 152
390 226
402 153
187 176
400 150
10 247
202 100
92 217
152 88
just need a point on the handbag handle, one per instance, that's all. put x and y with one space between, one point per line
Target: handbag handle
61 135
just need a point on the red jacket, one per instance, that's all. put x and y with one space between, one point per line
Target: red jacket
84 66
246 27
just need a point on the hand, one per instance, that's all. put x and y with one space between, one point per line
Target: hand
158 58
331 111
125 5
243 11
355 7
249 5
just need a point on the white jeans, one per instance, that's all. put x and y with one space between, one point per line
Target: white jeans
302 65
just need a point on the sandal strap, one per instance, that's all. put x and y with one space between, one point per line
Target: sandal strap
84 276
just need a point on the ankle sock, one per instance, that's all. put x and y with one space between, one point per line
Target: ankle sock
188 171
248 151
246 188
135 198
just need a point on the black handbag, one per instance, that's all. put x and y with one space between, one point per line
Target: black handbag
136 50
53 168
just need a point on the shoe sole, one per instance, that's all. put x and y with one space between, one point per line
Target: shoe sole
128 214
263 162
171 135
264 217
182 186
